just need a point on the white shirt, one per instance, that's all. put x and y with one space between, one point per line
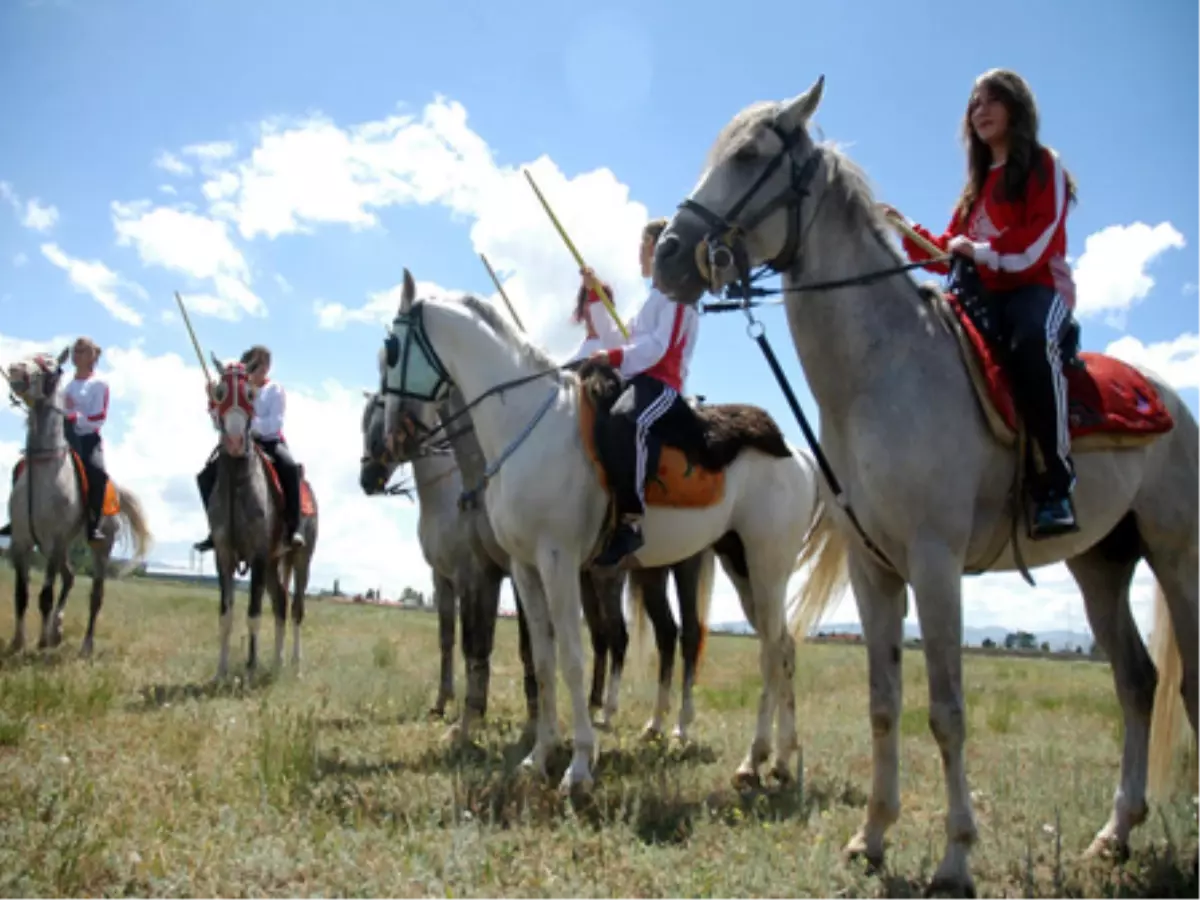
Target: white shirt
87 398
269 406
662 338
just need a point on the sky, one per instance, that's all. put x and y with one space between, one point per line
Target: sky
279 163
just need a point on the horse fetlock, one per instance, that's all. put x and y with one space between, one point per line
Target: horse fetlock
953 875
867 845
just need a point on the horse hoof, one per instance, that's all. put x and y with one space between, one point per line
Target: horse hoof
856 849
1107 847
85 652
781 774
942 886
746 780
651 733
455 734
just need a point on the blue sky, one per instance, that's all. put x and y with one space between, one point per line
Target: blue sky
617 103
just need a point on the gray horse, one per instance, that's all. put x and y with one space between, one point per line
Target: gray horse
469 566
445 531
47 508
919 465
245 515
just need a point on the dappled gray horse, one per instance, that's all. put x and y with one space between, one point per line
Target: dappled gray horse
47 508
245 515
920 467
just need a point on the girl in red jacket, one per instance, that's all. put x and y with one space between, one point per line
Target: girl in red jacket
1011 220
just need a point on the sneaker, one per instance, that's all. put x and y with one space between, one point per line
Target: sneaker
297 539
1054 516
626 539
6 531
205 545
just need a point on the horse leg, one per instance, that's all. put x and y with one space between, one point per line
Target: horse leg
560 575
225 576
277 587
936 577
541 638
95 599
443 601
480 605
687 590
589 596
67 575
20 601
653 586
1104 578
254 612
526 651
746 774
301 587
46 599
610 588
881 598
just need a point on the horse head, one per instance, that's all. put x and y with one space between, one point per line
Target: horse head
231 402
35 380
745 210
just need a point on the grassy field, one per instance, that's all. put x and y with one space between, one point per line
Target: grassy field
129 776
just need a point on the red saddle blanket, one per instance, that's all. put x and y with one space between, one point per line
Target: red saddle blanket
307 506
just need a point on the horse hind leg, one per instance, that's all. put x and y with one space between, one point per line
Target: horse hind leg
299 589
589 595
1104 575
254 611
277 586
480 606
690 582
651 586
67 576
618 642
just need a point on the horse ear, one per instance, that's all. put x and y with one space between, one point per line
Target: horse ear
62 357
797 112
409 293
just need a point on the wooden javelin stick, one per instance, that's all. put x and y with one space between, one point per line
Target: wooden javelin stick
496 281
192 334
920 240
604 298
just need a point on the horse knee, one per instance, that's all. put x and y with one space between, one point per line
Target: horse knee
947 723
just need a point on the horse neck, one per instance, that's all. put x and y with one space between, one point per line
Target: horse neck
478 360
852 341
44 430
248 478
464 442
433 479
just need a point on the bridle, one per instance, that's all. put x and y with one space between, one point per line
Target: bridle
723 245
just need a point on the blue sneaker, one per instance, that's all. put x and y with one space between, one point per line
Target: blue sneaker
626 539
1053 516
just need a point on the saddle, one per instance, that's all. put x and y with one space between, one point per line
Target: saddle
112 498
1110 403
696 449
307 504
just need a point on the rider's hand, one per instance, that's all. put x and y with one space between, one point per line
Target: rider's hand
599 356
889 211
961 245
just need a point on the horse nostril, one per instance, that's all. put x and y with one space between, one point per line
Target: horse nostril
668 246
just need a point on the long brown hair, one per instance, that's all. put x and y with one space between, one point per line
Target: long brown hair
1024 149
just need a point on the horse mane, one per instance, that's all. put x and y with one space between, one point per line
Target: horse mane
843 175
517 340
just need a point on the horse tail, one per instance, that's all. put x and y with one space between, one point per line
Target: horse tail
1167 718
825 551
134 517
704 592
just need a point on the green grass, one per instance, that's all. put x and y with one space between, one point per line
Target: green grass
130 775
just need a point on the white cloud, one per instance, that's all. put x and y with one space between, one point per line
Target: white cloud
214 151
1176 361
195 246
39 216
313 173
102 283
1111 275
380 307
157 438
169 162
168 189
32 213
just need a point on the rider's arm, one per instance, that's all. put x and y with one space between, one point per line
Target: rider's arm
1026 245
649 341
917 253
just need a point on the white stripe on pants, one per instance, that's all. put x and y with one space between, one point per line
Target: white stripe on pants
1054 323
651 414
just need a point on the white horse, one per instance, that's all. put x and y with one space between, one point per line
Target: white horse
920 464
547 507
